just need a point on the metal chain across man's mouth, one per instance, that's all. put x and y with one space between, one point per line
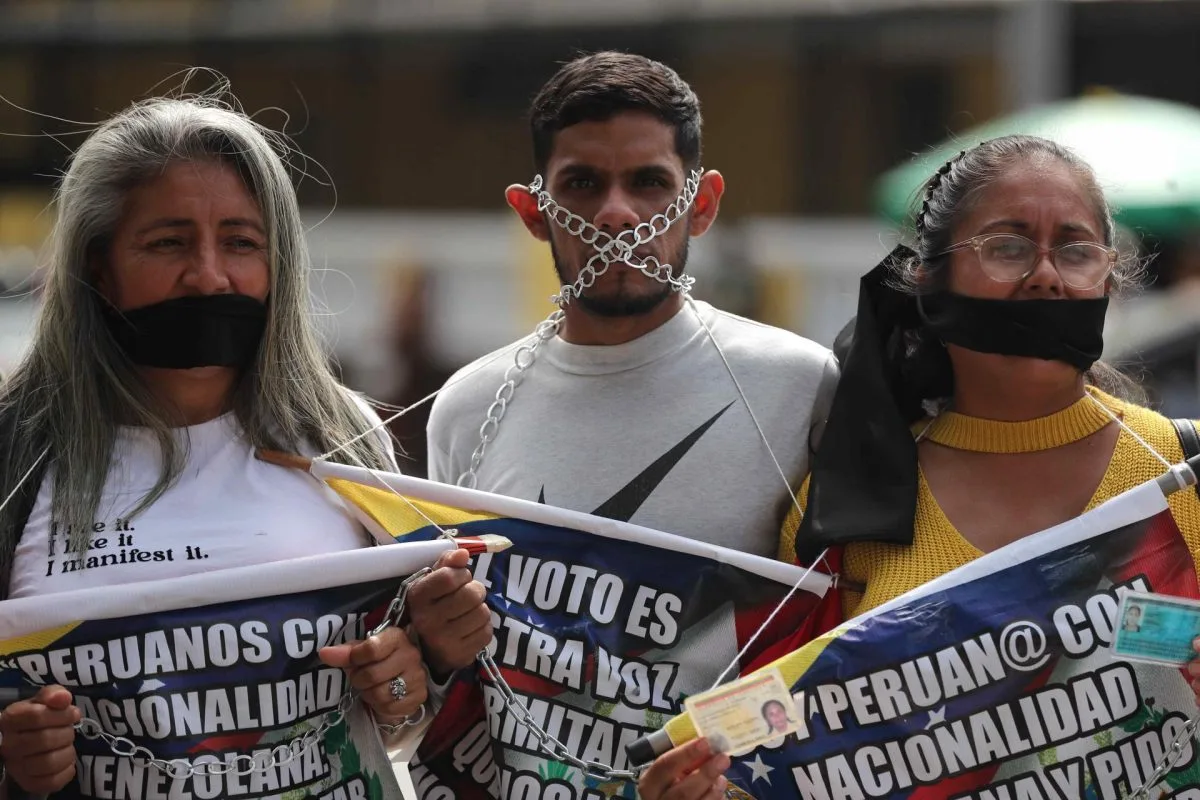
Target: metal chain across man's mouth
618 249
610 250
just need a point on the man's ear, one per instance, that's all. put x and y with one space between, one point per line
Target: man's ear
707 202
525 204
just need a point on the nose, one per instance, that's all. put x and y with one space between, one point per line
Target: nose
208 271
616 212
1044 281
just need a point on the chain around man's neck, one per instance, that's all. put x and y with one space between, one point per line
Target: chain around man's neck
610 250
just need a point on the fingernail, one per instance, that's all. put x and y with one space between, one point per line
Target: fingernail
722 782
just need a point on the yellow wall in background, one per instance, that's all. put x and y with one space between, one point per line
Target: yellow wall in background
25 218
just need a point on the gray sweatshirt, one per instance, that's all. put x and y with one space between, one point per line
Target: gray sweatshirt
654 431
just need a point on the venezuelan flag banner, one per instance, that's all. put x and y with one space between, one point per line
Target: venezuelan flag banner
216 675
601 629
995 681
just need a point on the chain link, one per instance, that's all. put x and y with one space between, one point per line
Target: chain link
281 754
1170 759
610 250
545 742
619 249
523 359
180 768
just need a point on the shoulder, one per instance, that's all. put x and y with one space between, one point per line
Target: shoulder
1158 434
364 407
759 342
1157 431
470 389
373 422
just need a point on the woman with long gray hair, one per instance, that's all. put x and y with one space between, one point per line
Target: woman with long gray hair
174 340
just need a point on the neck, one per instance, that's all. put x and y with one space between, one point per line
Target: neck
1011 388
581 326
193 395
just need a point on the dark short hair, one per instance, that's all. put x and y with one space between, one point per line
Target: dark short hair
596 87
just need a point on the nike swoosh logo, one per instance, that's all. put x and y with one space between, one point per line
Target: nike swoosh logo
629 498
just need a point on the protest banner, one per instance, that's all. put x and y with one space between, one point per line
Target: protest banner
602 628
995 681
216 677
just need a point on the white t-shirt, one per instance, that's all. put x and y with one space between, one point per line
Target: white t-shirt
227 509
653 431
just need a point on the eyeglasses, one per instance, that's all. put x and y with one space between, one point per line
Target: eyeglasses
1008 258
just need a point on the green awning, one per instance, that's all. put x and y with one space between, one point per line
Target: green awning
1146 154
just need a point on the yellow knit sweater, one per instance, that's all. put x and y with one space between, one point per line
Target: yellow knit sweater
888 570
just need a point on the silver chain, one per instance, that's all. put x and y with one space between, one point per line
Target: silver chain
618 249
1170 759
180 768
547 743
610 250
522 360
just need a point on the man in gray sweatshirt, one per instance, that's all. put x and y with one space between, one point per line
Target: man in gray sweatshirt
633 401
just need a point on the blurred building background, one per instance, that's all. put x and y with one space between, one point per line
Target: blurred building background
414 111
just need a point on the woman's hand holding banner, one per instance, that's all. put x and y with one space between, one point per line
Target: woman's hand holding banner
386 670
449 616
37 740
227 683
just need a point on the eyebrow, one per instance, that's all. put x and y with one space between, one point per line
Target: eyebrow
1021 225
243 222
653 171
575 170
184 222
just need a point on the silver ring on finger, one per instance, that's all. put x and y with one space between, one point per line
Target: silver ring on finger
398 687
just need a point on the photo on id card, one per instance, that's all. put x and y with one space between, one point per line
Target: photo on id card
743 714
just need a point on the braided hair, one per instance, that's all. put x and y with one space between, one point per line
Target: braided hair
921 224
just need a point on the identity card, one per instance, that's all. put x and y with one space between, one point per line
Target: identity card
1157 628
745 713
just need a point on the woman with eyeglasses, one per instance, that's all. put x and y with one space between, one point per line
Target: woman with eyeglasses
973 408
